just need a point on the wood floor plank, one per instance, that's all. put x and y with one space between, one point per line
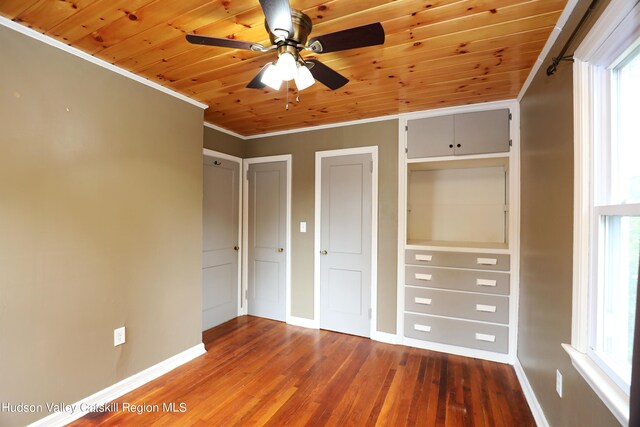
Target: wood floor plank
259 372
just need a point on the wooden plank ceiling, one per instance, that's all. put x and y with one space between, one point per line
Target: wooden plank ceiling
437 53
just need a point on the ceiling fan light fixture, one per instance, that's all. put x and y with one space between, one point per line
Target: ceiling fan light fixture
304 79
271 77
287 66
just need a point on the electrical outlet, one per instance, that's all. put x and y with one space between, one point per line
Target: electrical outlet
559 382
118 337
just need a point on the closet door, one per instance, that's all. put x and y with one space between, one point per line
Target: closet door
267 213
220 241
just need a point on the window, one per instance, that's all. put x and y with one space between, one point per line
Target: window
616 225
607 203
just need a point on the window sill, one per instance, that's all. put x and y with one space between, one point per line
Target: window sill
613 397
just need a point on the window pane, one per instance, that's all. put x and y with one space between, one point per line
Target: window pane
619 292
626 173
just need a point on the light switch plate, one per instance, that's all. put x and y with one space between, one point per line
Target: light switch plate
303 227
118 336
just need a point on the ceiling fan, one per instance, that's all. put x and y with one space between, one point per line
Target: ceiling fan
288 31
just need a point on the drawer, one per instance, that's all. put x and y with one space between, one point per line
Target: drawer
488 308
457 332
489 282
479 261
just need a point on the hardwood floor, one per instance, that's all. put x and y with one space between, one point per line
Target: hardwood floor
262 372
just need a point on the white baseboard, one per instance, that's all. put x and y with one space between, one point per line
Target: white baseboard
84 406
303 322
384 337
532 400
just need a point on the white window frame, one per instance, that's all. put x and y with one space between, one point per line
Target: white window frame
614 34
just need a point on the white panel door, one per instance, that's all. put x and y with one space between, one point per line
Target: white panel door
345 242
220 241
267 237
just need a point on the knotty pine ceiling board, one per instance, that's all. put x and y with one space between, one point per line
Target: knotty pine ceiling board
437 53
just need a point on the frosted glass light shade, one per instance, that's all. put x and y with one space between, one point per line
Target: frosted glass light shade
271 77
287 66
304 78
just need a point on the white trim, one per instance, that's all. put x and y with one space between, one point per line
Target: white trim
223 130
384 337
607 390
101 63
373 150
302 322
120 388
555 33
532 400
598 47
327 126
245 228
211 153
471 108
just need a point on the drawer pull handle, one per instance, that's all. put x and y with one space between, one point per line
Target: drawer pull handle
422 276
486 337
486 282
486 308
487 261
423 328
423 257
425 301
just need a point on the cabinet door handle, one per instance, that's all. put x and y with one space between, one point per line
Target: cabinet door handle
485 337
423 328
421 276
486 308
323 252
425 301
459 145
280 249
236 248
487 261
420 257
450 145
486 282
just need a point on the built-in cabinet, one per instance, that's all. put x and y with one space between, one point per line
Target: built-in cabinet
456 289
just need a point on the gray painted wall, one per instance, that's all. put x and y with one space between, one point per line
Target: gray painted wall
223 143
547 246
100 226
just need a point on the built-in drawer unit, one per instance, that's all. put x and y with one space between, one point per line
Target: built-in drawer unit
488 282
481 261
465 305
464 333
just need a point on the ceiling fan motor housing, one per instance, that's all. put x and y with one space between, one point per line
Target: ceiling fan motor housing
302 26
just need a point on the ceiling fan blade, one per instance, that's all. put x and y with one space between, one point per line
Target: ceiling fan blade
278 15
222 42
256 83
366 35
327 76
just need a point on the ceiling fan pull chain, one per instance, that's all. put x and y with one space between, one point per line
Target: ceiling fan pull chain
287 89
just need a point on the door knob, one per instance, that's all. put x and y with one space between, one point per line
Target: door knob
280 249
324 252
236 248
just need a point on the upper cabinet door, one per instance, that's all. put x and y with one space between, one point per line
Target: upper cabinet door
482 132
430 137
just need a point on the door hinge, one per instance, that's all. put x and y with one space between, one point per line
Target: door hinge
369 313
246 174
371 164
406 128
511 143
406 150
246 294
510 116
